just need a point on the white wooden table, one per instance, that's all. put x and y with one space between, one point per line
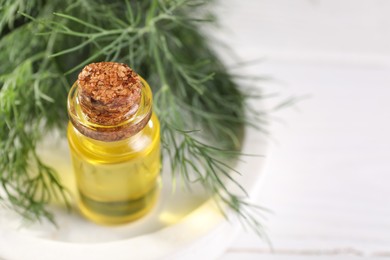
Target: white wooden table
328 167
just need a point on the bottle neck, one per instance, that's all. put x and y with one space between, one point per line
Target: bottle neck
110 133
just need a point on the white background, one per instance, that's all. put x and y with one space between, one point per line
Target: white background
328 165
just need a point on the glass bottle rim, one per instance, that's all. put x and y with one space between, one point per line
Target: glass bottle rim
120 131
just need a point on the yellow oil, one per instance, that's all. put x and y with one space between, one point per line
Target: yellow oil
117 181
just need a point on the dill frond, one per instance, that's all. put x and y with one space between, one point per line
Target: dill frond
44 45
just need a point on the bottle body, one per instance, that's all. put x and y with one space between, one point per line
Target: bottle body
119 181
114 139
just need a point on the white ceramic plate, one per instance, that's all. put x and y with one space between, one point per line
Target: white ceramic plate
184 225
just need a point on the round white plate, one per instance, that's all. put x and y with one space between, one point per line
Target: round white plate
184 225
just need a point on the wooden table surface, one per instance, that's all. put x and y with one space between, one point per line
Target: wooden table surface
328 165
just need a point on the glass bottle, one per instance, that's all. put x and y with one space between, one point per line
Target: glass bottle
114 140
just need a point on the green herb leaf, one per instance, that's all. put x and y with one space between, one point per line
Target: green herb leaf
44 43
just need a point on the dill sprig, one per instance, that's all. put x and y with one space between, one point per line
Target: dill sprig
196 97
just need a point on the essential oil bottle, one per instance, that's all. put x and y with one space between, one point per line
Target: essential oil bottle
114 140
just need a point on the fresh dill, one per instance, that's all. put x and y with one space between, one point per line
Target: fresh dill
44 43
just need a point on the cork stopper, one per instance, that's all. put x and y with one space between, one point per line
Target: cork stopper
109 92
115 102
